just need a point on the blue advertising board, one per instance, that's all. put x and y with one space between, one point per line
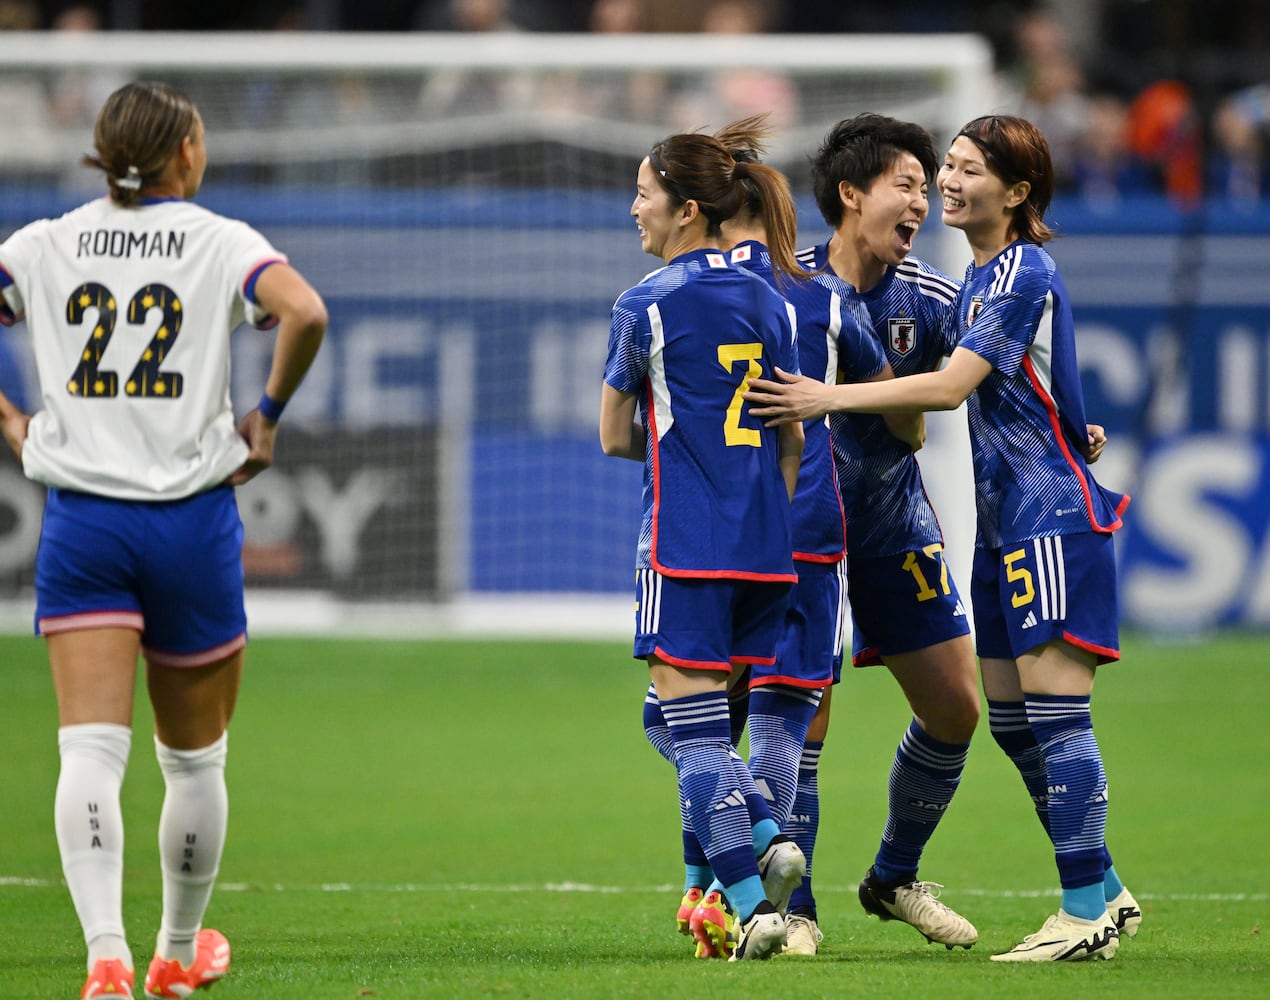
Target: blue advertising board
468 332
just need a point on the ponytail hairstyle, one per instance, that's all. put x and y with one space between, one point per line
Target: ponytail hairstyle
139 128
1015 150
721 173
746 141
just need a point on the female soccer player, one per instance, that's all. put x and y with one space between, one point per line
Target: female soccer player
130 301
1043 584
783 696
714 560
870 179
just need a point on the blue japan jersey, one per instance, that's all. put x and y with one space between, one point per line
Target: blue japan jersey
829 338
911 316
1027 418
685 340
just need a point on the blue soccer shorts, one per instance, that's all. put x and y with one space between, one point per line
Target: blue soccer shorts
1044 589
707 624
172 570
901 603
810 651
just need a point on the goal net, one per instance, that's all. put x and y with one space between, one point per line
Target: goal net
462 204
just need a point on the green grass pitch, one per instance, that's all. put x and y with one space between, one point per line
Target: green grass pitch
469 819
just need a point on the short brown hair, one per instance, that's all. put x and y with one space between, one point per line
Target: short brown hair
1016 150
859 150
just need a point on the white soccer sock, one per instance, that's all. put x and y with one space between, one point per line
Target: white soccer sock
191 838
89 826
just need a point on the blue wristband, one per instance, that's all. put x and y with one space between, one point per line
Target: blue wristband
270 408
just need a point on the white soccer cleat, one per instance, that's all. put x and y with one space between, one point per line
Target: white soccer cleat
1125 913
803 935
781 867
917 904
1064 938
762 936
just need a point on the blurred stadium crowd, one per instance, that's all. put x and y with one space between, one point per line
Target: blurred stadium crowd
1137 97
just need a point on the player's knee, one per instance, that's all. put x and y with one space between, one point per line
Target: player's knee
953 718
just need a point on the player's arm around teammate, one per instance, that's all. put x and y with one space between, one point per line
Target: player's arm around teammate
870 178
1044 570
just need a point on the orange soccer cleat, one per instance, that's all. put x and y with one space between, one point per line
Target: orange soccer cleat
110 978
168 979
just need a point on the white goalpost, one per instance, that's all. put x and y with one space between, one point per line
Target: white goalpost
462 203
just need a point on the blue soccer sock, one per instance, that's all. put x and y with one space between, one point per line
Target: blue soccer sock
763 826
1008 723
708 788
655 727
779 716
697 876
924 777
1086 901
745 896
1111 884
697 871
1077 787
804 821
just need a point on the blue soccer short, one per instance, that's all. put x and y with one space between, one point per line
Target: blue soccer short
810 651
172 570
902 602
707 624
1036 591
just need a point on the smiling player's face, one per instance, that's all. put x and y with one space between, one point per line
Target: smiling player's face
652 211
975 199
893 209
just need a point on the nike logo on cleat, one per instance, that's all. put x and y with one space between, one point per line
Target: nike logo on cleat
1095 943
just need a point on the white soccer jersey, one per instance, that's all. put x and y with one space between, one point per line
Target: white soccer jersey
130 312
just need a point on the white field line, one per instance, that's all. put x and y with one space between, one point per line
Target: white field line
9 882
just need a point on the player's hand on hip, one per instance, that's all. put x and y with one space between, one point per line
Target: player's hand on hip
260 435
16 424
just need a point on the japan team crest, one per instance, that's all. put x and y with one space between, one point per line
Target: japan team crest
976 304
903 331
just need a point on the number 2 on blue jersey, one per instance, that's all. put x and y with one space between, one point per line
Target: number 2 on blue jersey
729 355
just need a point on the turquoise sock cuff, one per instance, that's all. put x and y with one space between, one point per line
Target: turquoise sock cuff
1111 886
1087 902
763 833
697 876
746 895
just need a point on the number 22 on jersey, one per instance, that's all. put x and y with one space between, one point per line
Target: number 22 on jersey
146 380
